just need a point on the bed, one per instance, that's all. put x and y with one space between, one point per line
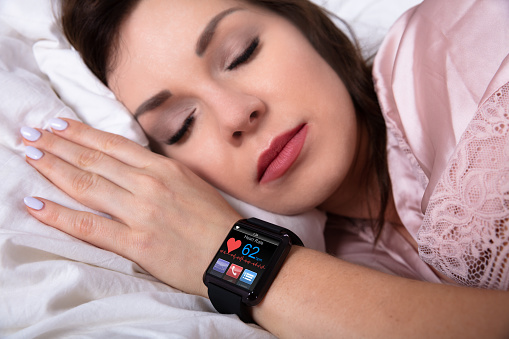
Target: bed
52 285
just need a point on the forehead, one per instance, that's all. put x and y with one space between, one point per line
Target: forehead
168 20
156 12
154 25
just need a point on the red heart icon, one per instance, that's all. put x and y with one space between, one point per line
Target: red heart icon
233 244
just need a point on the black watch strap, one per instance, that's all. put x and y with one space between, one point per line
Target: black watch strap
228 302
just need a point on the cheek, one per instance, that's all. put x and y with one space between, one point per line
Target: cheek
303 83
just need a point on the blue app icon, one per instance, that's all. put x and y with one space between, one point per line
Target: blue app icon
221 265
248 277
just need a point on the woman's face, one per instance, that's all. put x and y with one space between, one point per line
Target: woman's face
241 97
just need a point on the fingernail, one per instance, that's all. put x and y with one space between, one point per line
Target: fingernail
33 153
58 124
33 203
30 134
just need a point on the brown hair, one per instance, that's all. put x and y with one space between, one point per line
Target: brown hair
93 26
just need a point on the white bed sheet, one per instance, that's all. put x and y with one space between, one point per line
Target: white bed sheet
52 285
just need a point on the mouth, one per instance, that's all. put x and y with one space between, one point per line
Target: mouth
276 160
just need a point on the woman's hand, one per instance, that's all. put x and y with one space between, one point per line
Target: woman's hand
165 218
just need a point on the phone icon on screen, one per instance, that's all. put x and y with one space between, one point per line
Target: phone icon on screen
234 271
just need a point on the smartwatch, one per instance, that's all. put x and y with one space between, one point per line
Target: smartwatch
246 264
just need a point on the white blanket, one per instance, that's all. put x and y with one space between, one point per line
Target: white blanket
52 285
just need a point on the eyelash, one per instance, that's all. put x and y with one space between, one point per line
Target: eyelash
183 130
243 58
246 55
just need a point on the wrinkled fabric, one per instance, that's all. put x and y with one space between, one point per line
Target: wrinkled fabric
438 68
354 241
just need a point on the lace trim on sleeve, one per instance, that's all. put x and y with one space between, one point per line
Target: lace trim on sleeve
466 227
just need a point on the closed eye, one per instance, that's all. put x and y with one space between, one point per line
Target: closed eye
246 54
186 126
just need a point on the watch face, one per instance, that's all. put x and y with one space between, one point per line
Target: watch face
243 257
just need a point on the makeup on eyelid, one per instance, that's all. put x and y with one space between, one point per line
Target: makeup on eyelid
246 55
237 49
183 130
231 42
167 123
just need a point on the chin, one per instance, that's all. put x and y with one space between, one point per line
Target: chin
286 206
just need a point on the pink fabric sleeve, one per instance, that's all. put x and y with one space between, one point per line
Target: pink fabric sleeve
465 232
436 74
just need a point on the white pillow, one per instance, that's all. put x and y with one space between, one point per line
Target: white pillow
369 19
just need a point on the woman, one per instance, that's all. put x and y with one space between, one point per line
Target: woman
222 97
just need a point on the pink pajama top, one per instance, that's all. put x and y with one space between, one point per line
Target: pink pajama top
442 77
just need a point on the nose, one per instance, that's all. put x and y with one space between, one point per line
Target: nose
238 113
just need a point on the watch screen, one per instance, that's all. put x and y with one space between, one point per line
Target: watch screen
243 257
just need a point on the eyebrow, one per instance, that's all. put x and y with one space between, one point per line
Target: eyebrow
209 31
152 103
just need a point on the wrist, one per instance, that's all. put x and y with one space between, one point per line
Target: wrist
247 262
221 227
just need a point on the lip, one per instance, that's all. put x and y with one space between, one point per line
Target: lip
276 160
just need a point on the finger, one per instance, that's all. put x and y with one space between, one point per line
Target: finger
94 229
84 158
86 187
114 145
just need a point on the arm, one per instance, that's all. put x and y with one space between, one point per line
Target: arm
171 223
317 295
